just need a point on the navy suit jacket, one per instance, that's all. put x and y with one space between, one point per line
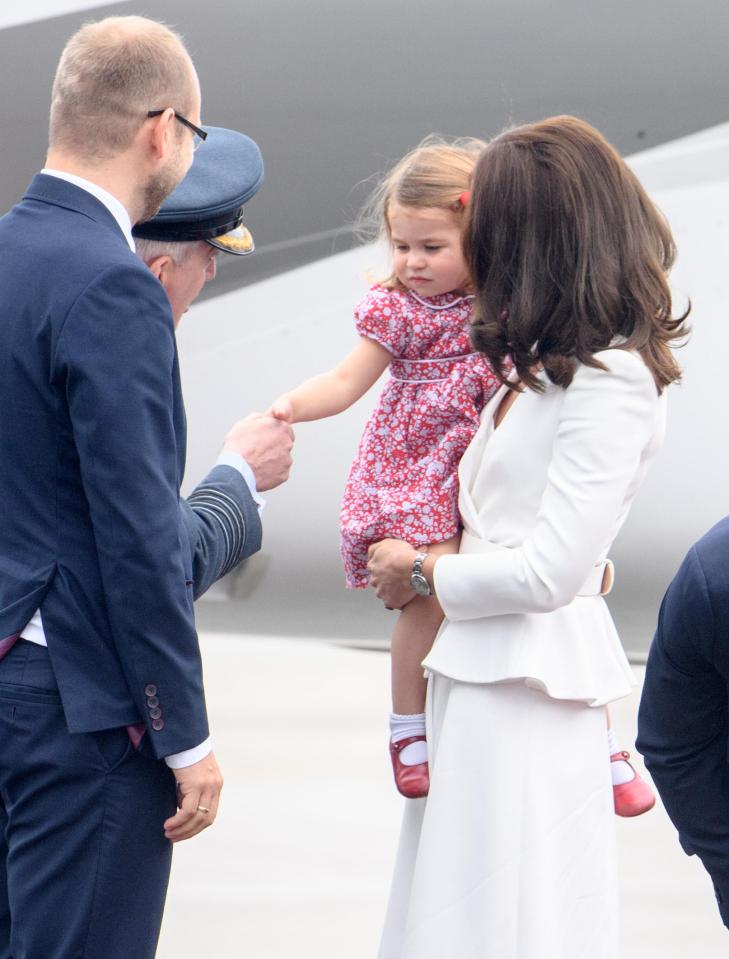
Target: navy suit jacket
92 434
683 719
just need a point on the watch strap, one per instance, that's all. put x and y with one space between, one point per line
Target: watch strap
417 576
418 563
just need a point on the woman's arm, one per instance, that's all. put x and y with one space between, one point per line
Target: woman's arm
335 391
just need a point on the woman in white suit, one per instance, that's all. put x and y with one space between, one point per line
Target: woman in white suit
511 856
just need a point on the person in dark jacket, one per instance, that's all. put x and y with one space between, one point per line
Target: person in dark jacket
683 719
97 627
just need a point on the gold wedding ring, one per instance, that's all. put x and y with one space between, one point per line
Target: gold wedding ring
203 809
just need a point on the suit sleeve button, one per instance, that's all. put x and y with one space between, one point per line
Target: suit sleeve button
158 724
152 701
150 690
155 713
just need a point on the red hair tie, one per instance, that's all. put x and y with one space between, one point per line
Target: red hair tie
465 198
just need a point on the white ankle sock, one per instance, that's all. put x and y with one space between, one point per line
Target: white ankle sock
402 727
621 771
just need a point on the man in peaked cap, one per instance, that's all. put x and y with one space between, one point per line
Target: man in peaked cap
202 217
208 203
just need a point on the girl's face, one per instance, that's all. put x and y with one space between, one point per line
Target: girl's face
427 255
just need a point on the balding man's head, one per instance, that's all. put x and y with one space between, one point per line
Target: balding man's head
111 73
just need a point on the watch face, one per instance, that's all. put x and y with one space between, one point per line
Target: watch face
420 584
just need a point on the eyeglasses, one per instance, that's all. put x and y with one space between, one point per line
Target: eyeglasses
198 136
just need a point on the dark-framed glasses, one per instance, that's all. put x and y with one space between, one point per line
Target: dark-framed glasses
198 136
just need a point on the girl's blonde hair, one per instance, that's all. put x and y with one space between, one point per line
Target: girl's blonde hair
433 175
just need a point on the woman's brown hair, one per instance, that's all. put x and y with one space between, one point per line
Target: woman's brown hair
567 253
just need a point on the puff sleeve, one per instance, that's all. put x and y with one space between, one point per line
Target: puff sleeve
380 317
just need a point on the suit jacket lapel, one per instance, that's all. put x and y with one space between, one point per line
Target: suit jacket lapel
471 463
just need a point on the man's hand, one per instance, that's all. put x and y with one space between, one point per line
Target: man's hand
265 443
198 795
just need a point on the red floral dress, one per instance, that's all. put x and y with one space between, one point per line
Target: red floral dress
403 482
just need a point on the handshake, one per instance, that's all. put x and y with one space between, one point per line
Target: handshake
265 441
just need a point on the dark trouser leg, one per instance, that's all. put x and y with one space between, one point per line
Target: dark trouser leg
87 861
4 906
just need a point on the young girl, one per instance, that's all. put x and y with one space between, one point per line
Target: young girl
403 483
403 480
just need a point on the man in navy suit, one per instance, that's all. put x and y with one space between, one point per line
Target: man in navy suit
202 218
97 628
683 719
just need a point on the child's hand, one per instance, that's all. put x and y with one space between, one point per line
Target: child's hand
282 409
265 444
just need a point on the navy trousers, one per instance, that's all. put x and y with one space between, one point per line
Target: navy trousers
84 862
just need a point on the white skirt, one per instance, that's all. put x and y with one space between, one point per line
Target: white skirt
512 855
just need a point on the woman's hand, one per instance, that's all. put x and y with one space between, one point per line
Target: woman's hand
390 563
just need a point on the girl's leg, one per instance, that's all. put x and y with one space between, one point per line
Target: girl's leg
412 639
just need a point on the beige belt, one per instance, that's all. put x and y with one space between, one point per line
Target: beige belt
598 583
600 580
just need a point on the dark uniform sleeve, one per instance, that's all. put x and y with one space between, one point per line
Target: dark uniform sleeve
223 526
683 725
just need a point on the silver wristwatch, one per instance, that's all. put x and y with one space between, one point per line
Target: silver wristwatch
417 580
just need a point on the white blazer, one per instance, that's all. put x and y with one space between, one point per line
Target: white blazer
542 498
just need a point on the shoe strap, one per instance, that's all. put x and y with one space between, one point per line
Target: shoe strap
402 743
623 754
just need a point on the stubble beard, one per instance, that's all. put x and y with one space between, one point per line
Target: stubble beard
158 188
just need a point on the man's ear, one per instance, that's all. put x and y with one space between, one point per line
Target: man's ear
162 134
161 267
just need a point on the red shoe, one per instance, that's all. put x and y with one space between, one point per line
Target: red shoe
412 781
632 798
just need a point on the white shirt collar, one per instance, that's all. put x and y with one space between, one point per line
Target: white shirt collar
117 209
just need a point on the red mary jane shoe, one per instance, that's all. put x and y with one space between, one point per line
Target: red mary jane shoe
411 781
632 798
